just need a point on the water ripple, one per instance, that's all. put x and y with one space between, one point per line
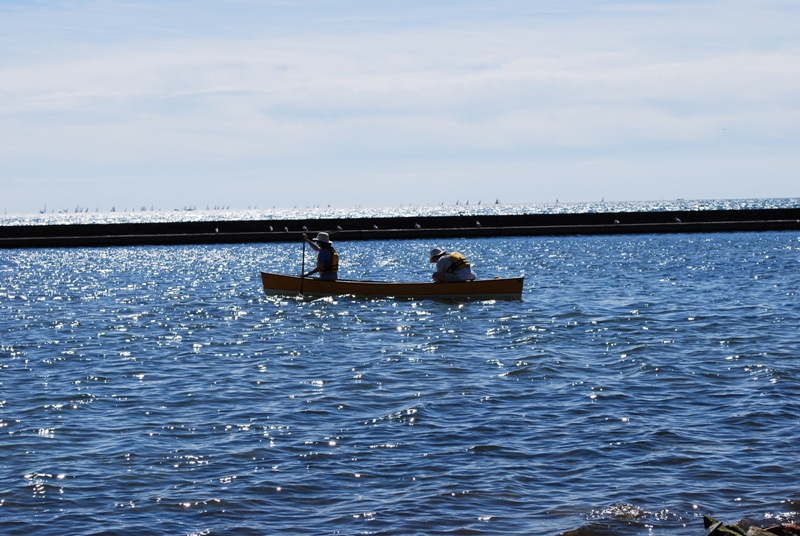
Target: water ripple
641 382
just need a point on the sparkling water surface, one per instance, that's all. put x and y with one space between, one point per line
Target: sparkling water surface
640 383
83 215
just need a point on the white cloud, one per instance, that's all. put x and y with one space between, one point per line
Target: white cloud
342 99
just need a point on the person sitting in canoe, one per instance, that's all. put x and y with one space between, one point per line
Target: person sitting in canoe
327 260
451 267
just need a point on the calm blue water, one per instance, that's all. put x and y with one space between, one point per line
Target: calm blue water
641 382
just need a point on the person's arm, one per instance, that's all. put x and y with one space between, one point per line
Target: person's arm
315 270
323 258
311 243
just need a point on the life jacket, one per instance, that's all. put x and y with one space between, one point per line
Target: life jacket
457 262
334 266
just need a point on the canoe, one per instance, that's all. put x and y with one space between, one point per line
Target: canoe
480 289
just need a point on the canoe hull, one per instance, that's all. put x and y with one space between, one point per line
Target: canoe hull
482 289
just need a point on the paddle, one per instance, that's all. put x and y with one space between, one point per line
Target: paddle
303 267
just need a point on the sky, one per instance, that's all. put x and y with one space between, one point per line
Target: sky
172 103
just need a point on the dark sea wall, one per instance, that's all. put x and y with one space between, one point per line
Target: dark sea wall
229 232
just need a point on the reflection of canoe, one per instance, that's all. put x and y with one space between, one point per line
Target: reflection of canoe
478 289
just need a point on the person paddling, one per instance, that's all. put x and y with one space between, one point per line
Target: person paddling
327 259
451 267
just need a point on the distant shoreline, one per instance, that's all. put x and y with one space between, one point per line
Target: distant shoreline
397 227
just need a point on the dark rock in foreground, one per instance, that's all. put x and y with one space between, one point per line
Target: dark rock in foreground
718 528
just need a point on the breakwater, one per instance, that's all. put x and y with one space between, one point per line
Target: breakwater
387 228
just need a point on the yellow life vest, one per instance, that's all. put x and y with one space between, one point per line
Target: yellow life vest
457 262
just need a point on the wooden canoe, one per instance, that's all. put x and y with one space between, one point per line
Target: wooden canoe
480 289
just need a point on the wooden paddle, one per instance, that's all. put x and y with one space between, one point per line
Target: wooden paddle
303 267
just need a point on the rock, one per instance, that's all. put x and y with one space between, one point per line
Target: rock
758 531
718 528
785 529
